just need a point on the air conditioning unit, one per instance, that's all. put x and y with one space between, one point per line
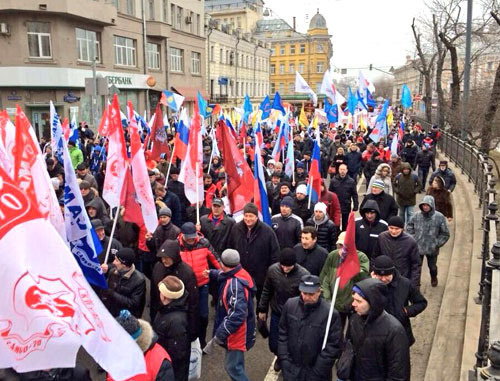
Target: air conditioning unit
188 20
4 28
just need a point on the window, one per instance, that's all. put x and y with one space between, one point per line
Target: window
489 66
292 49
319 48
84 41
195 63
282 50
221 55
172 14
273 69
125 51
291 68
291 88
130 7
273 50
301 67
39 40
191 24
151 9
282 88
319 67
212 49
318 87
164 11
177 60
198 24
282 68
179 16
153 56
238 21
273 88
302 48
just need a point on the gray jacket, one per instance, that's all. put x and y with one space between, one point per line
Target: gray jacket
430 229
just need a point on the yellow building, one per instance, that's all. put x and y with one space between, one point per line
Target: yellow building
309 54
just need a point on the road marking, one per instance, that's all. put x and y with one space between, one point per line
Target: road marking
271 374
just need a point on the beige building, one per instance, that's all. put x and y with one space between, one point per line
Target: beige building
47 53
409 75
240 14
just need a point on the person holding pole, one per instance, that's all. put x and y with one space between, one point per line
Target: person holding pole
302 326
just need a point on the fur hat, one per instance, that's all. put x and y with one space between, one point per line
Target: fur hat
171 287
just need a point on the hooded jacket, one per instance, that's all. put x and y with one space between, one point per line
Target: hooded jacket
101 214
185 273
327 232
406 186
367 233
386 204
386 179
279 287
379 340
301 332
234 322
311 259
429 229
345 189
395 167
450 181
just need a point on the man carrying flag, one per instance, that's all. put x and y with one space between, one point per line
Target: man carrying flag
314 180
259 188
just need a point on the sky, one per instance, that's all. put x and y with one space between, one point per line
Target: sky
363 32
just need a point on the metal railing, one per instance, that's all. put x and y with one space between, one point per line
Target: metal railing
478 167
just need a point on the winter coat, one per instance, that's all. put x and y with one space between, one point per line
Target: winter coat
328 276
301 209
279 287
178 188
218 233
287 229
371 167
76 156
404 252
442 200
115 246
313 259
407 186
96 202
378 338
234 322
332 204
172 201
327 232
403 302
185 273
386 179
161 234
367 233
386 204
409 154
126 291
345 189
395 168
172 326
429 229
197 257
353 161
448 176
425 160
301 332
90 179
258 251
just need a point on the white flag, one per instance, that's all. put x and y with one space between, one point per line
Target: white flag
301 86
48 308
365 84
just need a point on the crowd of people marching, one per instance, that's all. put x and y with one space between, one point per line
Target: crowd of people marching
277 279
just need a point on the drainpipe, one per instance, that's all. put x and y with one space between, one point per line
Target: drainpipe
236 71
167 68
255 68
209 50
144 41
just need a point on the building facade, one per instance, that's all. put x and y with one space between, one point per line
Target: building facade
309 54
48 52
240 14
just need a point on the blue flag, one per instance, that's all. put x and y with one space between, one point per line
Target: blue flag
202 105
265 106
247 108
361 101
406 100
277 105
352 102
380 128
369 99
331 111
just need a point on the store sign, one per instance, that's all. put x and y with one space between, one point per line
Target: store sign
14 97
115 80
71 97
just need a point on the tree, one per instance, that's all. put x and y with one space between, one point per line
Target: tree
383 86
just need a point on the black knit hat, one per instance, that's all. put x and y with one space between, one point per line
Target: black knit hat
383 265
126 256
170 248
251 208
288 257
396 221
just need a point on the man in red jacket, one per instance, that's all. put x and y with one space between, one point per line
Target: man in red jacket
332 203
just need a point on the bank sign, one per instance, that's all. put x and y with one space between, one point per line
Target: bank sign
119 81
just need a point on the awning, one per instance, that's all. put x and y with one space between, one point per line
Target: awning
190 93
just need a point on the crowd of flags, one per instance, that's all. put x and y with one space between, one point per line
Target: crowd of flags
23 173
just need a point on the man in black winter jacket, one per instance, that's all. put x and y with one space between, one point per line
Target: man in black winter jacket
171 264
282 283
368 227
301 206
310 255
425 161
301 332
217 226
386 203
403 300
402 248
256 243
286 225
378 338
345 189
450 181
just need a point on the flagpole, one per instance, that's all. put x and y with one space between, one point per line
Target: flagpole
310 192
210 161
170 164
330 314
244 150
112 234
197 194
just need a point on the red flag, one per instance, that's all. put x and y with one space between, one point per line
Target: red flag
159 136
104 125
243 131
240 181
128 199
349 261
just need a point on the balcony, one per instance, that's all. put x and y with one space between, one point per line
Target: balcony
157 29
219 98
89 10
